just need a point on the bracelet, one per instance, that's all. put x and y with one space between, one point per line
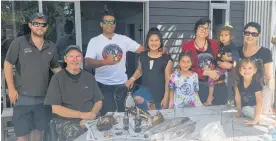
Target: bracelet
133 78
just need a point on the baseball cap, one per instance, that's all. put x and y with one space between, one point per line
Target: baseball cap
39 15
72 47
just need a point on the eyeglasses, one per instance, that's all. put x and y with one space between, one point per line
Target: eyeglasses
37 24
107 22
247 33
202 28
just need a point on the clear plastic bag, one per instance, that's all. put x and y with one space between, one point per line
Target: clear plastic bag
212 132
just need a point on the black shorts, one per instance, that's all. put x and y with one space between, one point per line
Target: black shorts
109 104
29 117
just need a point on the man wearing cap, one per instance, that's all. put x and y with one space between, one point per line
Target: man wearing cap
107 53
74 96
33 56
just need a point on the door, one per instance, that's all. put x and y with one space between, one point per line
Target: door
219 13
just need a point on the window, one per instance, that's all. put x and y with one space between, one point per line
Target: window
218 1
219 13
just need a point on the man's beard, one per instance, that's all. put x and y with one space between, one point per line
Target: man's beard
37 34
109 31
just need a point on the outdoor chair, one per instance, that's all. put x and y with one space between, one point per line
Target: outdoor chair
6 115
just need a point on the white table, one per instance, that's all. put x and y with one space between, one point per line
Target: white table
233 128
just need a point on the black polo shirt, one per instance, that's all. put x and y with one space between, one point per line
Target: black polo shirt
32 65
78 93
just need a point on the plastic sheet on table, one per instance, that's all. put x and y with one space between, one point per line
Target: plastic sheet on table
177 133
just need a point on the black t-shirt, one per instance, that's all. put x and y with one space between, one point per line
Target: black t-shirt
248 96
206 59
263 54
154 78
73 76
230 49
77 94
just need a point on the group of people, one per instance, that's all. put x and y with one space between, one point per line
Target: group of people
75 96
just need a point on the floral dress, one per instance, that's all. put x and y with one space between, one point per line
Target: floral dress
184 90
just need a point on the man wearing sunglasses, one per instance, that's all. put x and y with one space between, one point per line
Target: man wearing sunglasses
107 53
33 56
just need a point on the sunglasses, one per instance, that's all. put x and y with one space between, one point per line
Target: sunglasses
37 24
109 22
254 34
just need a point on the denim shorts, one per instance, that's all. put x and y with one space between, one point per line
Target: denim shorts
144 93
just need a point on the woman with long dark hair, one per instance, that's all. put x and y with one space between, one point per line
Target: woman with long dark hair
155 68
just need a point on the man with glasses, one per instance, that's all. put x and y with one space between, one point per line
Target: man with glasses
33 56
107 53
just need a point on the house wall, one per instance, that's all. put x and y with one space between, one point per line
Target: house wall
176 20
237 20
138 24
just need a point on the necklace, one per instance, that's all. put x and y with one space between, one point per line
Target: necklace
201 48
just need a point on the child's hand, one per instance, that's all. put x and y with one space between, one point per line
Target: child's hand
171 104
129 83
164 102
211 66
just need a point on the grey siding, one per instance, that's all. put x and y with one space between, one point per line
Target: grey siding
237 20
176 21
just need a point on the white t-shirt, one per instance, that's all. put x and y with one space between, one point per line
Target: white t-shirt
99 47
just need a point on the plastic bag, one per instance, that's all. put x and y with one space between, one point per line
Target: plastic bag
212 132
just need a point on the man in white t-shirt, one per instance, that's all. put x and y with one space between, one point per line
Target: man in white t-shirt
107 54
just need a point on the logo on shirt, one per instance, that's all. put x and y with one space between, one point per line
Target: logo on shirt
205 60
186 89
114 50
246 97
28 50
49 53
